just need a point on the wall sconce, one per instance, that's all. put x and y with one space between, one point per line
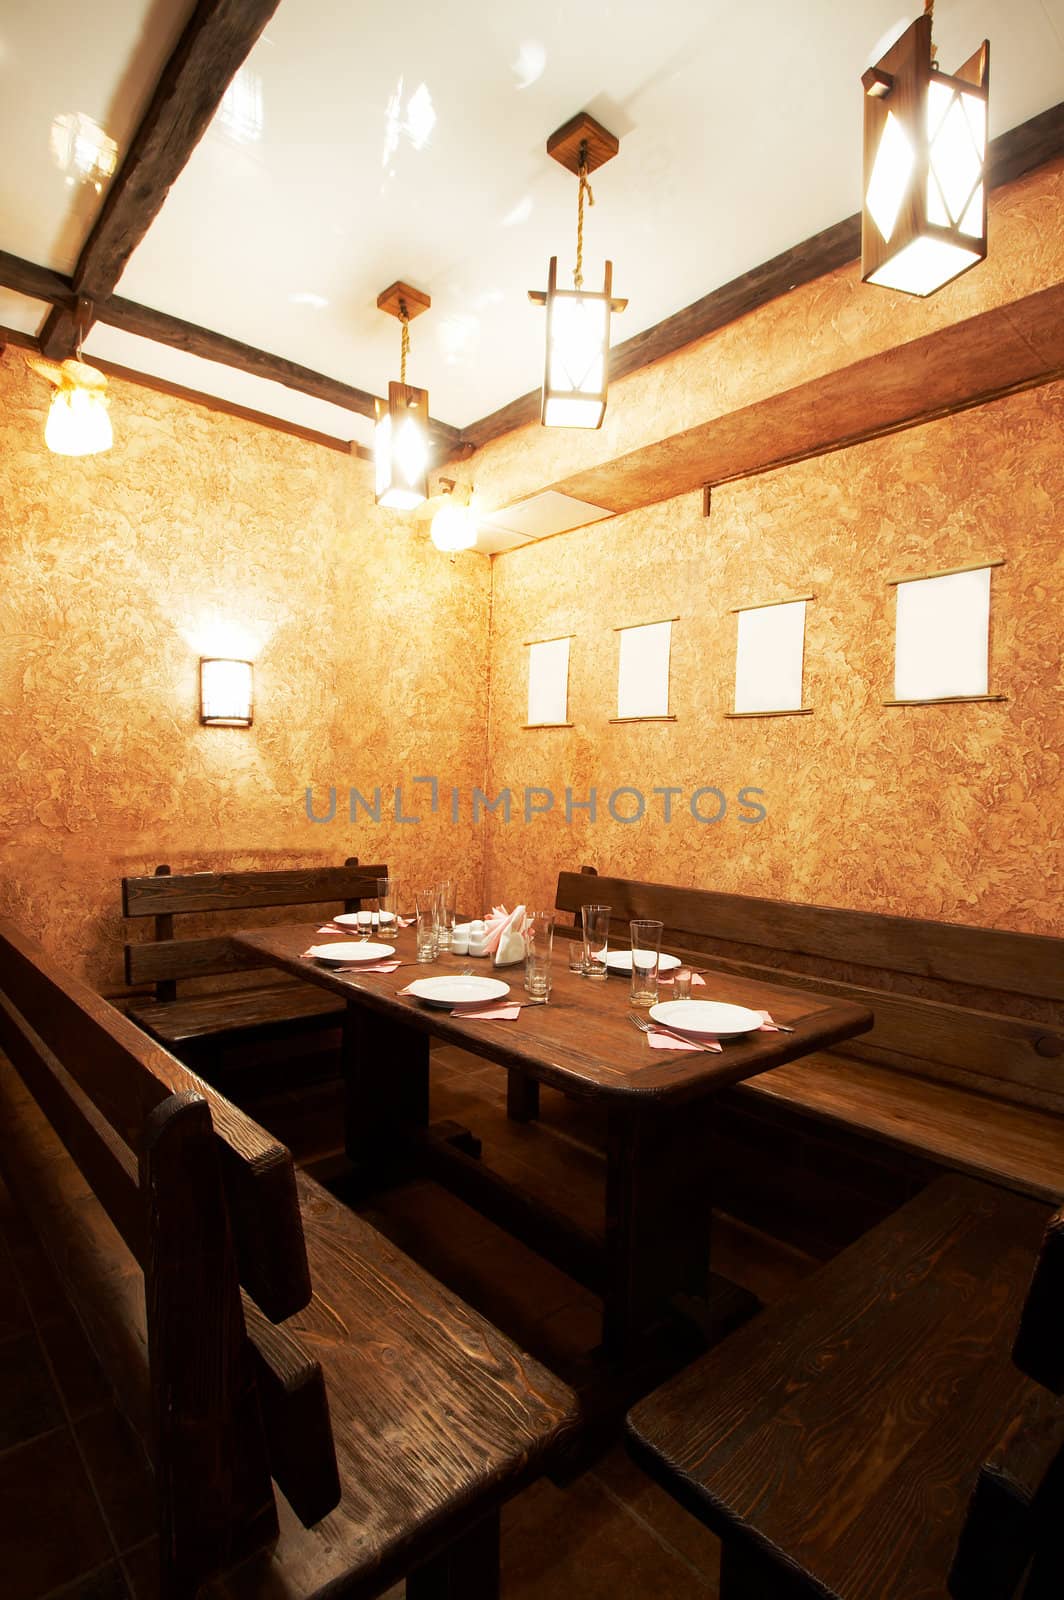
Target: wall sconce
924 217
226 692
401 434
454 527
576 375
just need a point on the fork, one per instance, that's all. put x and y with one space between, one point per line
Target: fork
647 1027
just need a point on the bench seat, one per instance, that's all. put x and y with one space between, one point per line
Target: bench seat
1014 1145
431 1407
833 1443
237 1013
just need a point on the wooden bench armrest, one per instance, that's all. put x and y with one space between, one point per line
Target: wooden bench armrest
295 1412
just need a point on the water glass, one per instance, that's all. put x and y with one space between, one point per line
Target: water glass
388 907
445 914
596 920
575 949
426 910
539 937
368 909
681 983
646 953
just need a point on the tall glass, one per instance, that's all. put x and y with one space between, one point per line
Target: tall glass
445 914
539 939
366 913
646 954
388 900
426 909
596 920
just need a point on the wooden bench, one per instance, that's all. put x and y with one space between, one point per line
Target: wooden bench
253 1328
193 1026
965 1065
878 1435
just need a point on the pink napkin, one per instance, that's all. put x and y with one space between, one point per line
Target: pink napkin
697 982
502 1011
668 1041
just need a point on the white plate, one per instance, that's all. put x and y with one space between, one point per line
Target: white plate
621 961
348 955
705 1017
458 991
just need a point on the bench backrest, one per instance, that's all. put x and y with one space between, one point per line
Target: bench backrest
206 1204
165 895
929 983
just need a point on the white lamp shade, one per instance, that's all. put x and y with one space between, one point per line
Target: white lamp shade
226 692
78 423
454 527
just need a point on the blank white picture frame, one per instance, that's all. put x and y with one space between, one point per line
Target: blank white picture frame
643 670
942 636
548 683
769 655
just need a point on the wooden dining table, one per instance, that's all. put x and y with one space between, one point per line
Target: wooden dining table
652 1255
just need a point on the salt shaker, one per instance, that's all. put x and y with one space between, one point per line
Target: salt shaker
476 938
460 939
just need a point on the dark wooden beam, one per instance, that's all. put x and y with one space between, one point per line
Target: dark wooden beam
216 42
27 341
1011 155
27 278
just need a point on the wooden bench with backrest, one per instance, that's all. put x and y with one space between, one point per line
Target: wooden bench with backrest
884 1431
253 1328
964 1067
194 1025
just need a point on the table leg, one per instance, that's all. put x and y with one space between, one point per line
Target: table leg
386 1085
658 1218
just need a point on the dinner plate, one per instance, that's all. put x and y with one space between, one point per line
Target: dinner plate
706 1017
621 961
458 991
349 955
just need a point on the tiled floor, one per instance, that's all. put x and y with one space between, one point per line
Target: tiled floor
75 1495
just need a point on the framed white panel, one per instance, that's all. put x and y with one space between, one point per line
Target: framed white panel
548 682
643 671
942 637
768 658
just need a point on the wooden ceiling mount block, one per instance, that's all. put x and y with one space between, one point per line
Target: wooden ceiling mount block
582 131
400 293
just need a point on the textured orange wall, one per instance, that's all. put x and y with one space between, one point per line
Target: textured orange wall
118 571
953 812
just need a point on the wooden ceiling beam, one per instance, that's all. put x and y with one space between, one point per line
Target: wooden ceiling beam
25 277
217 40
1011 155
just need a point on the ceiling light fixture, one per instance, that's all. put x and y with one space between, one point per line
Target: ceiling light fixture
454 527
578 319
78 422
924 217
401 435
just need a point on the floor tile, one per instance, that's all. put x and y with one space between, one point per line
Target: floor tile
14 1312
80 1378
107 1583
672 1526
51 1531
120 1475
30 1404
141 1566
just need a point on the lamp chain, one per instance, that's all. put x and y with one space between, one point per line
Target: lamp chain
929 13
585 188
404 349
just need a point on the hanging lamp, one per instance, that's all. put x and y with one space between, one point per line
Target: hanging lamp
78 422
576 374
454 527
923 220
401 433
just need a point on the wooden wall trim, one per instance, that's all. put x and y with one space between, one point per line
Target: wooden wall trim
1011 155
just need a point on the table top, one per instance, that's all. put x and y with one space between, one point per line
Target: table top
581 1041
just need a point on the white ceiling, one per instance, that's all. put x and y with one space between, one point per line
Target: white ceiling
364 144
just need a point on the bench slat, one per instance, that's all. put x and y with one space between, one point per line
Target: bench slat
993 958
244 891
209 957
206 1016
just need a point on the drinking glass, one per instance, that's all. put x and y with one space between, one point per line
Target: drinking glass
596 920
368 908
646 953
681 983
426 909
539 937
445 914
388 907
575 950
